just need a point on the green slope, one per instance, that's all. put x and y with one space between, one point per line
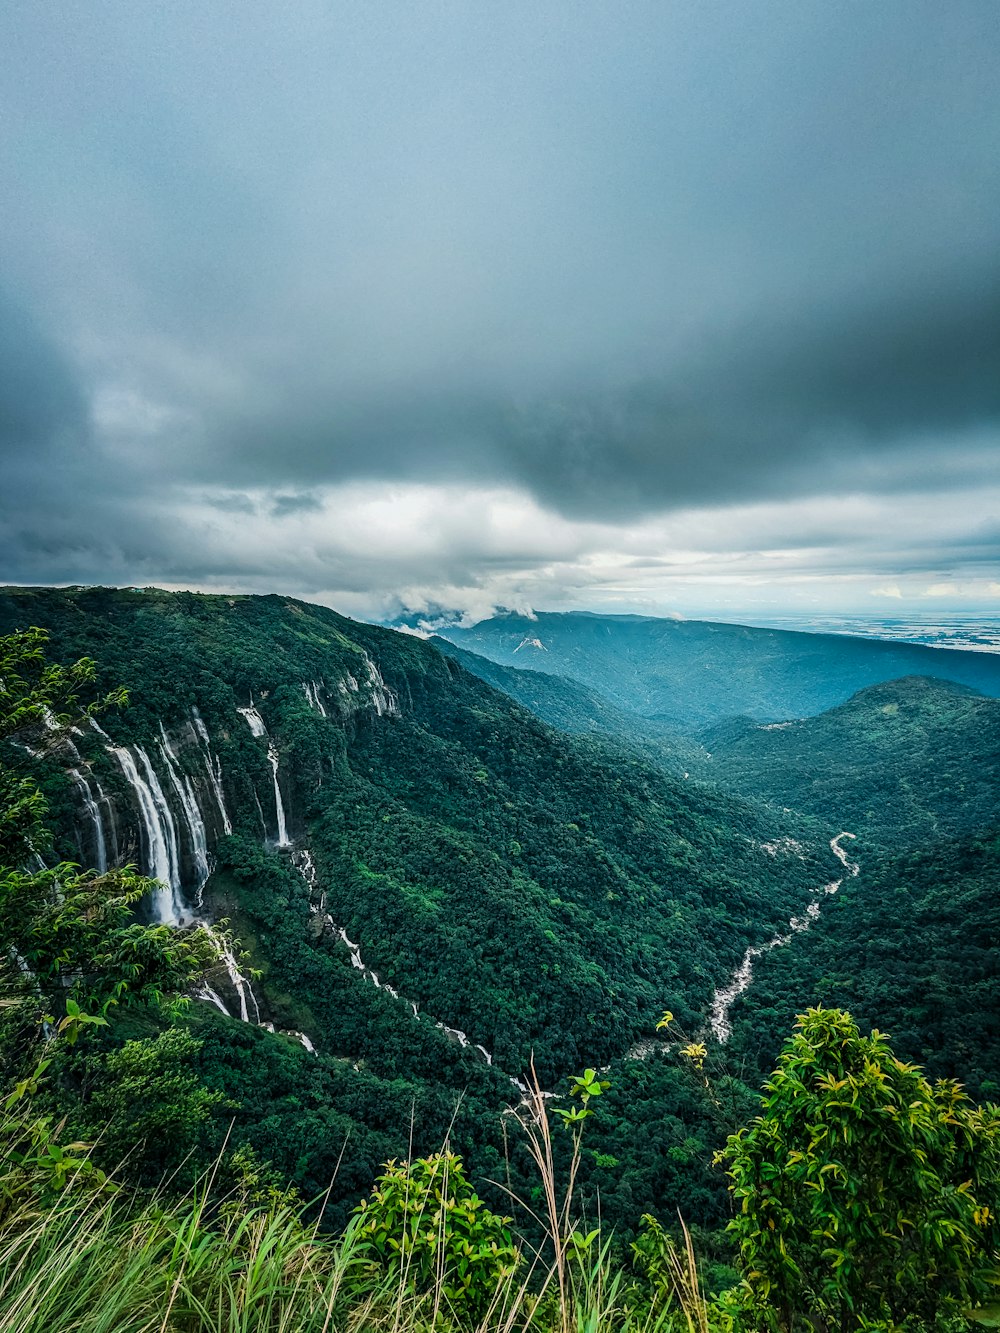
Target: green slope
912 946
574 707
899 764
520 884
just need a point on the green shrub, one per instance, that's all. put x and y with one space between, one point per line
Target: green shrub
425 1225
866 1196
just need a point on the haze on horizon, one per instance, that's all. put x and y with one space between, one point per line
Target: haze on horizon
654 307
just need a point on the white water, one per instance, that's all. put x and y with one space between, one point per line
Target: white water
213 768
197 832
94 815
205 992
160 833
742 978
383 699
256 724
311 689
272 755
306 866
166 818
106 801
242 986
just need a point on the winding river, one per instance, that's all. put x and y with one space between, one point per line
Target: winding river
742 978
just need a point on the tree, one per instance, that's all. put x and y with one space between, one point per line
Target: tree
865 1194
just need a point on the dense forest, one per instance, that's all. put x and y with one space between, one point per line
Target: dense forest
537 896
289 897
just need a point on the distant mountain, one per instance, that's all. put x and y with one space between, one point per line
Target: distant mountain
573 707
690 674
900 763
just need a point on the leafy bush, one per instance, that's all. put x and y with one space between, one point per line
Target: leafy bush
866 1195
425 1224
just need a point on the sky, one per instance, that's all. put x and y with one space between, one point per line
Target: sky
680 307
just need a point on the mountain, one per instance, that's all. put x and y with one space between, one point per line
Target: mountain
689 674
435 885
899 763
575 708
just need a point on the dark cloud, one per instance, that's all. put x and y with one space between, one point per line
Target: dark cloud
627 260
285 505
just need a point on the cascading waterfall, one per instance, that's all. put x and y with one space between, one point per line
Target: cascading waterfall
94 815
160 833
166 818
163 848
192 814
242 987
213 768
103 799
256 724
306 866
311 689
383 699
272 755
725 997
205 992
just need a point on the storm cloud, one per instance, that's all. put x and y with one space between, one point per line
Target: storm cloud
640 305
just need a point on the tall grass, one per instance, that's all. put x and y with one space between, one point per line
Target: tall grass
86 1260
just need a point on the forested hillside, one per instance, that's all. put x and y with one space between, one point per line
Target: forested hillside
911 946
689 674
384 897
901 763
528 893
576 708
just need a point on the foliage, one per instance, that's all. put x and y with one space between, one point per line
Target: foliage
543 893
70 937
865 1194
909 945
900 764
425 1224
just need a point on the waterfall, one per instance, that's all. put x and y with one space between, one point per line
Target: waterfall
104 799
272 754
383 699
192 814
160 833
254 720
256 724
205 992
213 768
94 814
306 866
242 986
311 689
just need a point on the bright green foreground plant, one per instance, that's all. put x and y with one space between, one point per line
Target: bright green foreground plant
425 1225
866 1195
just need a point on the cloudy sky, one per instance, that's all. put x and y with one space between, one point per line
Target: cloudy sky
671 306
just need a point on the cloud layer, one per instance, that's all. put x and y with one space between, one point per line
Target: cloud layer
664 305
